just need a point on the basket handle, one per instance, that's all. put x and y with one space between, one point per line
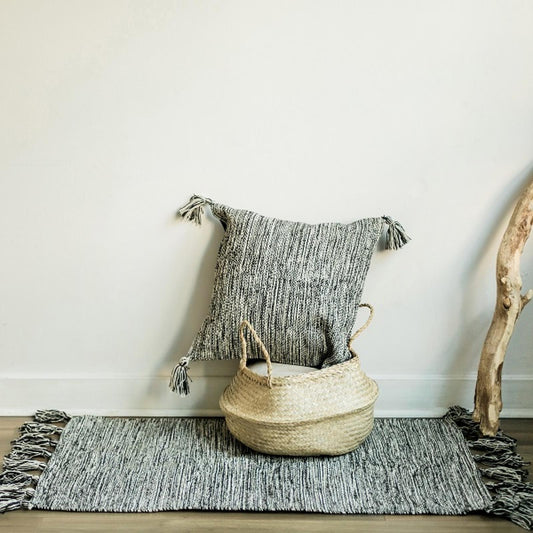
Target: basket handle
364 326
245 324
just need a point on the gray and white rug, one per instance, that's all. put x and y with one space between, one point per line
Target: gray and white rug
406 466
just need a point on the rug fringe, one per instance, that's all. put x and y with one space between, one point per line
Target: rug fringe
22 465
35 439
501 467
28 451
51 416
17 486
505 458
47 430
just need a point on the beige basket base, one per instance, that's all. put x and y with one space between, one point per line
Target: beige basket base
331 436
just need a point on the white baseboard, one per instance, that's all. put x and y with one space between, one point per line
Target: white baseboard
400 396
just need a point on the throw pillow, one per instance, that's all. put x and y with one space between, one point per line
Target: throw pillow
299 285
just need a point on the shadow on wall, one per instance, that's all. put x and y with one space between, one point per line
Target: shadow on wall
196 309
466 349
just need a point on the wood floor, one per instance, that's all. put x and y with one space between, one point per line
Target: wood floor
47 521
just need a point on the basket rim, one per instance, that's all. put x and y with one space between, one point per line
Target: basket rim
300 420
319 374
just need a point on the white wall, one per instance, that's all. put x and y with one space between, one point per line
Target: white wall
114 113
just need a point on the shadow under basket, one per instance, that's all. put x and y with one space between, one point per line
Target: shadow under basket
324 412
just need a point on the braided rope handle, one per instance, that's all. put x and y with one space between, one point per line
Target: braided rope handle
246 325
364 326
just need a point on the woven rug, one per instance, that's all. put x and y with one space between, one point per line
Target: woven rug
92 463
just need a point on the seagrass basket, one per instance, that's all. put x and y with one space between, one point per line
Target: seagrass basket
324 412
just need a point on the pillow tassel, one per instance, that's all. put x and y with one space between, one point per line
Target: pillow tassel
194 209
396 234
179 379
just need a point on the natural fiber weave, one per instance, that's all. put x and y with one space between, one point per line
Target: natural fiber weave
326 412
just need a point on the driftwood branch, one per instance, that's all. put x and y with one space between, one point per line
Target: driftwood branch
509 305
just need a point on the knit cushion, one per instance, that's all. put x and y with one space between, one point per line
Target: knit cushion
298 284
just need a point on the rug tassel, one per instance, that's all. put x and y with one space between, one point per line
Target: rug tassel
8 477
35 439
502 469
13 497
194 209
506 458
514 505
461 418
179 379
16 484
23 464
51 416
44 429
504 473
494 444
396 234
28 451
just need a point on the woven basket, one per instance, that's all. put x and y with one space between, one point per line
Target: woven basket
324 412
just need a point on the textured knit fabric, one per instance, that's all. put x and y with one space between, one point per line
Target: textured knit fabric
298 284
406 466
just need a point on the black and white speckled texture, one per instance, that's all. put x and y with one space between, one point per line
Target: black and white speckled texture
298 284
406 466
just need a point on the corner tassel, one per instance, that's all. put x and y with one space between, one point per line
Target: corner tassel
194 209
179 379
515 504
396 235
501 467
16 482
14 496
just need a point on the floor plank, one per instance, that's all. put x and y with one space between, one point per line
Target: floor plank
201 521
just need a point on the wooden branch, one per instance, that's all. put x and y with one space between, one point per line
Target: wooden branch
526 298
509 305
